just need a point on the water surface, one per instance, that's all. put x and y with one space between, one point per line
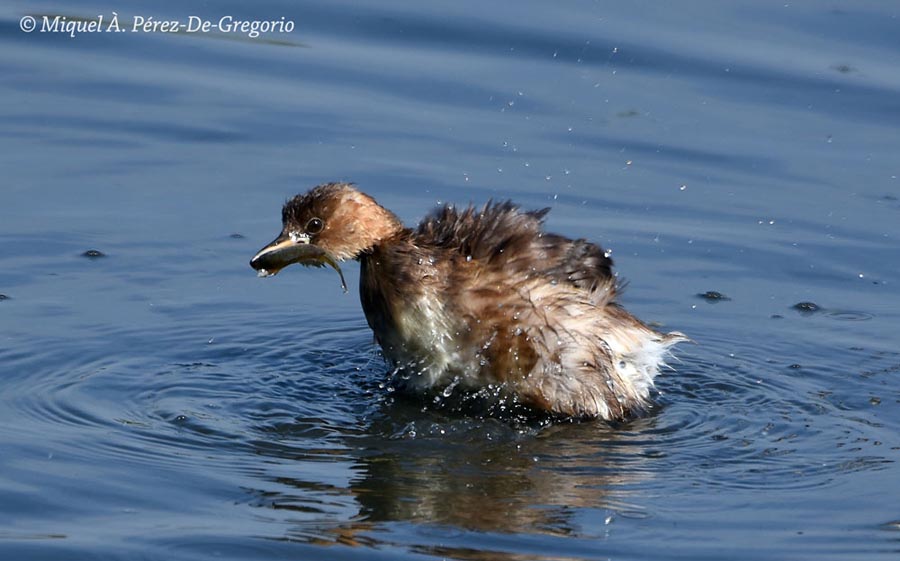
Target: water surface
161 402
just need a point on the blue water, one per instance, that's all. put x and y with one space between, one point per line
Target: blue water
161 402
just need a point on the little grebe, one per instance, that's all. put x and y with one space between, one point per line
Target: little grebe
481 298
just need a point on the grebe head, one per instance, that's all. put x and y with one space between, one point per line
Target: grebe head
330 223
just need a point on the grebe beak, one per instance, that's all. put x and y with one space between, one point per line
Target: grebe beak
287 249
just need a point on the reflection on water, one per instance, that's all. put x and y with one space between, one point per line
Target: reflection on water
468 474
157 401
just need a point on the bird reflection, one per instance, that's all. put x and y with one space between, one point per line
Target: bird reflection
464 474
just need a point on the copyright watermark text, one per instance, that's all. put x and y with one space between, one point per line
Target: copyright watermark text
148 24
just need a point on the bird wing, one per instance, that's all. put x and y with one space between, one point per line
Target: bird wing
503 238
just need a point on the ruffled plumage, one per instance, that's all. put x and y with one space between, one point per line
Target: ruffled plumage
480 298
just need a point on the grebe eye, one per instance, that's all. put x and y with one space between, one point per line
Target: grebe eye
314 226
